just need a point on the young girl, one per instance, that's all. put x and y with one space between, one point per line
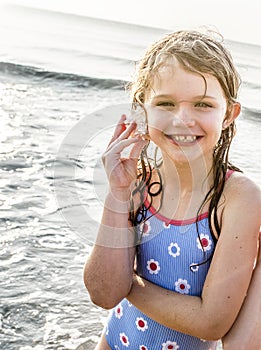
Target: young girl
178 239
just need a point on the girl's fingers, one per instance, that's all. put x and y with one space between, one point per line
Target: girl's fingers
122 132
117 147
122 144
120 128
137 148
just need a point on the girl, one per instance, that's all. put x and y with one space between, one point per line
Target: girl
178 239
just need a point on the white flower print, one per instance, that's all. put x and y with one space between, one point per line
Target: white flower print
124 339
118 311
141 324
153 266
182 286
170 345
194 267
174 249
143 347
204 241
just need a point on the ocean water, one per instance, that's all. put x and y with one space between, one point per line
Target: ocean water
62 80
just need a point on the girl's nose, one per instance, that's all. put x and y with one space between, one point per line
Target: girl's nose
183 117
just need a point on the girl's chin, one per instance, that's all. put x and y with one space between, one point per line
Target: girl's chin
186 157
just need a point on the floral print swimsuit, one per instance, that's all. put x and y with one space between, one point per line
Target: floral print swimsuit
169 256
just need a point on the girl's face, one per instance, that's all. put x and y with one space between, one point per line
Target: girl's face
185 115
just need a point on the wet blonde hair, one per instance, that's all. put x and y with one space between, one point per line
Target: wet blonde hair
201 53
196 52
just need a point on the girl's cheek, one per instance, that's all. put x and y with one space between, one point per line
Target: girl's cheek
158 119
156 126
155 130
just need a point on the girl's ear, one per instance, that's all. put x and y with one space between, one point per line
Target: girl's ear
231 114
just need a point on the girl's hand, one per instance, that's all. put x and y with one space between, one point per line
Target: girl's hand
122 172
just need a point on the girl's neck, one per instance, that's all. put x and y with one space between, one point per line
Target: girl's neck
187 178
185 186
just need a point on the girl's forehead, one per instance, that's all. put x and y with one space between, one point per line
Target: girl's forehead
173 69
174 79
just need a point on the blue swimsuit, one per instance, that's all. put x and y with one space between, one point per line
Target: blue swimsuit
169 256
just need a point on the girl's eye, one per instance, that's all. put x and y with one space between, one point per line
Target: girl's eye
165 104
203 105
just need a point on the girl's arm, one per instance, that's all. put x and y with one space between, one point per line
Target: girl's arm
212 315
109 267
245 332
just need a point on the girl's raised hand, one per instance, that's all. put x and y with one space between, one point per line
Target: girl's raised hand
122 171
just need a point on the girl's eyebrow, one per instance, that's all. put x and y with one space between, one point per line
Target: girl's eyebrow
161 96
155 97
167 96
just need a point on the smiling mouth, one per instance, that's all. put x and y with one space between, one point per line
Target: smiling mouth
183 138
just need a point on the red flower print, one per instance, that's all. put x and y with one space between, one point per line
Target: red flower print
118 311
153 266
182 286
124 339
146 227
141 324
166 225
170 345
143 347
204 242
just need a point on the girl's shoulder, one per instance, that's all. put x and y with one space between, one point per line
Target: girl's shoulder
240 210
236 179
239 187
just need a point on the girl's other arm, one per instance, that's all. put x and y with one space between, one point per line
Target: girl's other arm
246 331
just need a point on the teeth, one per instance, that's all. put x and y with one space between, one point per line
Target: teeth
181 138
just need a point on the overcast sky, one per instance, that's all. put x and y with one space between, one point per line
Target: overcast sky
235 19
